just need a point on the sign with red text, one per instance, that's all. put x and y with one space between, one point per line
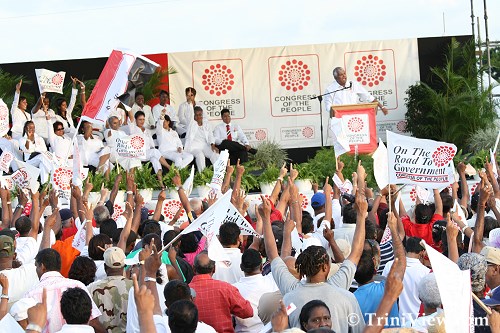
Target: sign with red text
49 81
131 146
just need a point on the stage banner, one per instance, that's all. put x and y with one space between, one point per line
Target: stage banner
359 126
270 91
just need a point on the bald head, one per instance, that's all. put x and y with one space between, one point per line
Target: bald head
196 205
203 264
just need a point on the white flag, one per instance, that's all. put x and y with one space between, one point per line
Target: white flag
188 183
219 171
79 172
381 165
4 118
131 146
5 160
49 81
340 141
422 162
209 223
234 216
458 209
344 187
26 176
493 163
455 290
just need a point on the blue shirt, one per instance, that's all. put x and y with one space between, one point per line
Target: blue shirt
369 297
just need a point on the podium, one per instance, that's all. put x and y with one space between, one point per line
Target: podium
359 125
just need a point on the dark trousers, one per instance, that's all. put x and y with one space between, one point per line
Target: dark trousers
236 151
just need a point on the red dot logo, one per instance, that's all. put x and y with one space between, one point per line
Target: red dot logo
57 79
307 132
473 188
294 75
413 194
218 79
355 124
4 112
137 142
260 135
171 207
117 211
305 200
62 178
443 155
401 125
370 70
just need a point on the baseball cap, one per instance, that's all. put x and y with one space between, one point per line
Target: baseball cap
65 214
494 299
6 246
318 200
492 255
114 257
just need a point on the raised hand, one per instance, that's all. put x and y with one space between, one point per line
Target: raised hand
18 86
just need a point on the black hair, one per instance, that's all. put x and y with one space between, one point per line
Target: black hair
23 225
59 102
447 203
224 111
150 227
164 92
169 236
197 108
57 124
305 312
349 214
182 317
82 126
370 229
146 240
229 234
138 114
199 268
250 261
29 122
97 241
138 93
366 268
83 269
438 229
189 243
413 245
191 90
167 117
423 213
309 262
50 258
108 227
490 223
382 218
76 306
176 290
307 223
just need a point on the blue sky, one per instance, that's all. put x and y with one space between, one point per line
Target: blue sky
55 29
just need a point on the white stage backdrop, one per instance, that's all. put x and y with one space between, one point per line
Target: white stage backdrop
268 90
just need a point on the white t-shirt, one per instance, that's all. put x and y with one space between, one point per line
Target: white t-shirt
21 280
26 249
229 272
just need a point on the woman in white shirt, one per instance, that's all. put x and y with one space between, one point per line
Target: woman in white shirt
92 149
60 144
170 145
64 110
186 111
19 114
35 150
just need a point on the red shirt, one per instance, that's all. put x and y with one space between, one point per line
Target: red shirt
217 301
423 231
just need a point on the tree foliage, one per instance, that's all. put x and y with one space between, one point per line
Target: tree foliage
454 107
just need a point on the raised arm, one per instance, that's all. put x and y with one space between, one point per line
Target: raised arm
269 240
451 237
15 103
182 195
277 188
340 167
438 203
240 170
35 215
6 208
22 201
484 194
464 187
116 187
294 205
492 179
49 225
361 205
162 196
397 244
227 177
286 246
122 242
258 228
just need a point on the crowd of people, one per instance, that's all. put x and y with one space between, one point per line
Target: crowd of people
354 263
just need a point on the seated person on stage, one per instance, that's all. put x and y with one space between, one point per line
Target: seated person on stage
112 133
92 149
352 93
231 137
33 147
200 142
163 108
140 106
170 145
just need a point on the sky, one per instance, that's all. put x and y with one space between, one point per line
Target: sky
56 29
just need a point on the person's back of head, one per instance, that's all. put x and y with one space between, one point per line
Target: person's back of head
490 223
182 317
101 213
146 240
478 266
428 291
108 227
349 214
50 259
150 227
189 243
251 262
203 264
307 223
169 236
438 229
196 205
370 230
447 203
423 213
366 268
176 290
96 244
23 225
312 261
76 306
413 245
229 234
83 269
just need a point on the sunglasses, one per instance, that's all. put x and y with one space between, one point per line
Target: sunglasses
60 129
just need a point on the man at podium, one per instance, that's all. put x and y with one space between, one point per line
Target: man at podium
348 93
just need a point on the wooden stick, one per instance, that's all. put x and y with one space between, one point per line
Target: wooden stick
481 304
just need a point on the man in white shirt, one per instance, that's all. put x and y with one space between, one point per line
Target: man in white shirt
252 286
347 93
229 236
409 303
231 137
76 308
163 108
140 106
200 142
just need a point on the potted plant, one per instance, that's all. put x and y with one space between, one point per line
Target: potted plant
201 182
97 180
306 177
250 183
269 153
146 181
267 179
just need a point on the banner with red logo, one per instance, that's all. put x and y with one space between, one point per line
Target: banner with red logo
49 81
358 124
422 162
119 77
131 146
61 181
5 160
4 118
270 91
